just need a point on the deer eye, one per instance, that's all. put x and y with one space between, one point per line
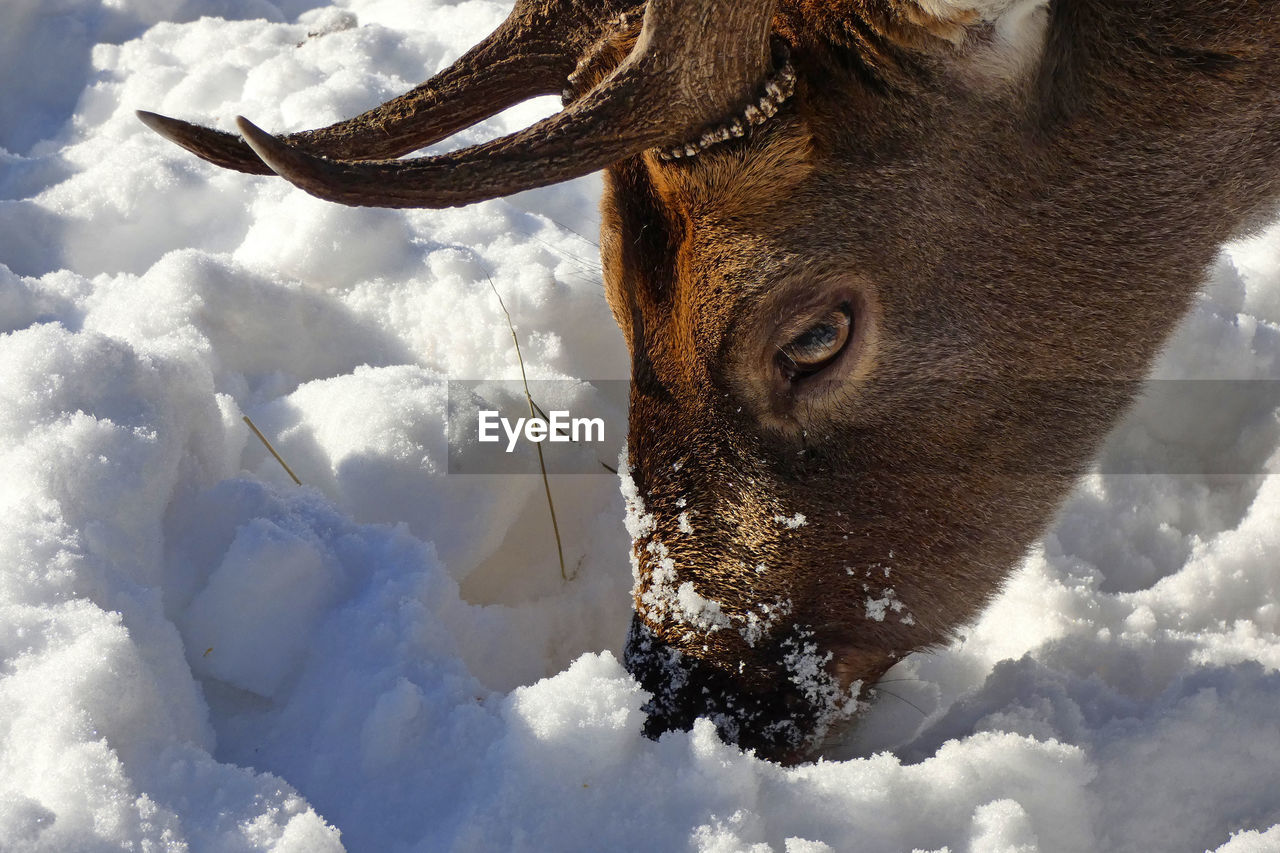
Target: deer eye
817 346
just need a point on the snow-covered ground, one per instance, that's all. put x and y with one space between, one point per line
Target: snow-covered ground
196 654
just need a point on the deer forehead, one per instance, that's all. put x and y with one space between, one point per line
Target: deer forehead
1005 37
966 11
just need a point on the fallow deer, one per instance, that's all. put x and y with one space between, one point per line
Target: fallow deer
889 271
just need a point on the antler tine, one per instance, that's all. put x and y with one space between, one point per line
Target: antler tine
530 54
696 61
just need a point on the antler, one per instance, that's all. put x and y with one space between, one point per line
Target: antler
530 54
695 62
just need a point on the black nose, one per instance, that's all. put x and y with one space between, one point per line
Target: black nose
775 719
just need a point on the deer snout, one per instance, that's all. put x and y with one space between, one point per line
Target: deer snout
784 722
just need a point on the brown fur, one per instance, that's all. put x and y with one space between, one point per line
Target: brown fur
1021 251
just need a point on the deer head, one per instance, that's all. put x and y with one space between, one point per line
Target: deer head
888 272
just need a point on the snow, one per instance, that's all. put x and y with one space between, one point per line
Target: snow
196 654
794 522
878 608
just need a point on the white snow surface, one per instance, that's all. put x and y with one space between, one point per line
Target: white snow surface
197 655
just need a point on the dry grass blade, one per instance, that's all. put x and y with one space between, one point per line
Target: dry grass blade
272 450
534 411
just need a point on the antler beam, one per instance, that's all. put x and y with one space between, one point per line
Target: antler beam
530 54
